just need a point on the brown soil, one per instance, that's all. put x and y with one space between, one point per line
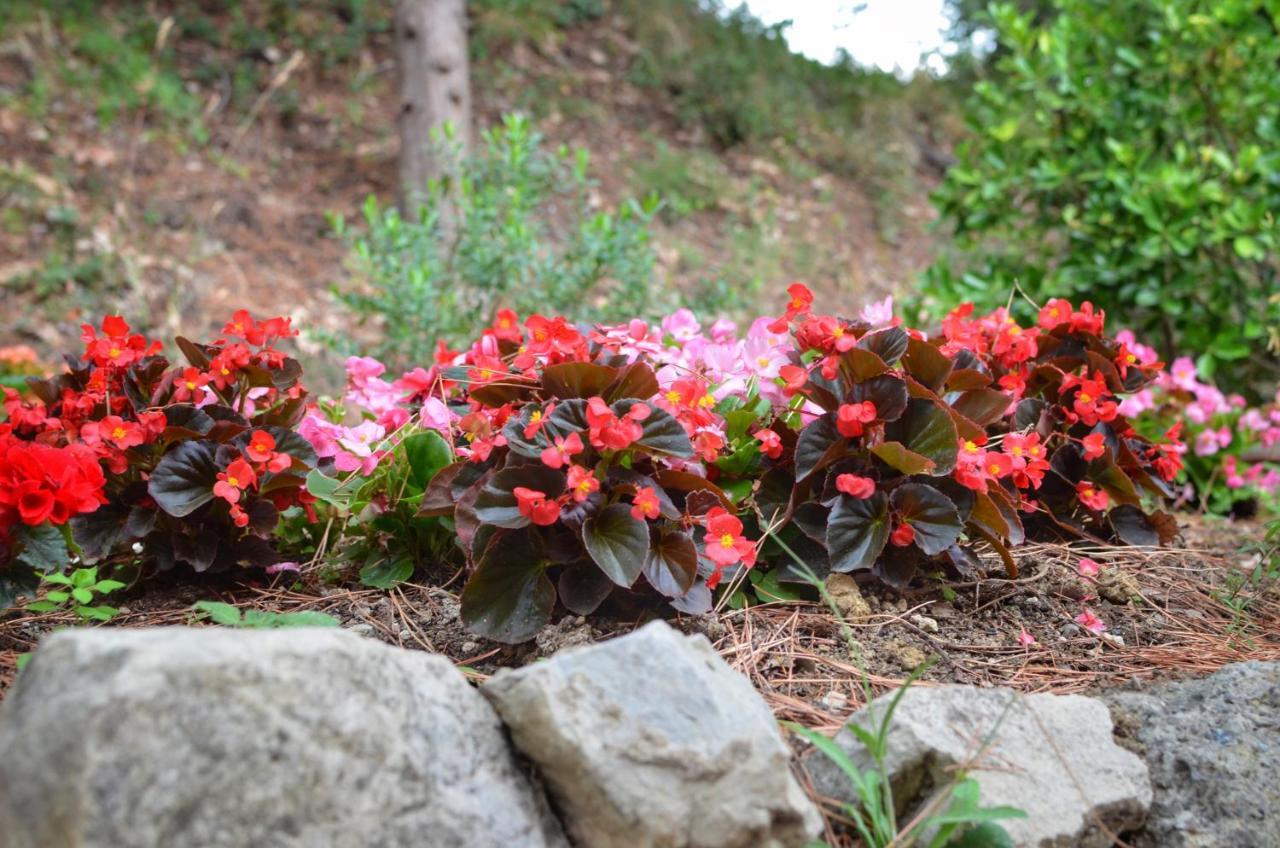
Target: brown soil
1162 610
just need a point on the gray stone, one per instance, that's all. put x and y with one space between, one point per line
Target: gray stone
1213 746
1051 756
208 737
651 740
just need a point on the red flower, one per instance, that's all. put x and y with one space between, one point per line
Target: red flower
562 450
800 303
120 433
188 384
903 535
506 326
793 379
851 417
582 483
1028 456
725 544
855 486
707 444
770 443
997 465
535 506
607 430
262 449
1055 312
645 504
238 477
537 419
1095 445
1091 496
41 483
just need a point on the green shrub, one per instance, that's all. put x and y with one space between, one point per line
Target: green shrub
483 241
1129 154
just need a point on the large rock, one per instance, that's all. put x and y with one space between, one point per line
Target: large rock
184 737
1050 755
652 741
1213 747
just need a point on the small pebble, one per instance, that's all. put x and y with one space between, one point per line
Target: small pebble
405 634
835 700
925 623
1113 639
468 647
361 629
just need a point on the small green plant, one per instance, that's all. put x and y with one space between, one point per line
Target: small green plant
81 588
480 241
953 817
1244 588
254 619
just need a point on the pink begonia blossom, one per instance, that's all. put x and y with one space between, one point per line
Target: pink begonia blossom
360 445
879 314
1137 403
1146 355
1088 567
723 330
1209 442
1089 621
1252 420
436 415
681 325
1183 373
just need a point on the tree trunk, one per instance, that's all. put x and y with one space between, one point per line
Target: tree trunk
434 86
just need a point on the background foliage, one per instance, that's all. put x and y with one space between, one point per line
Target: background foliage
1129 153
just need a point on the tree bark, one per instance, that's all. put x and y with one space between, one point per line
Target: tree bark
434 89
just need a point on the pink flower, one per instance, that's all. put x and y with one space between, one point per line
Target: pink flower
435 415
1183 373
364 368
1025 639
1206 443
879 314
681 325
1089 621
723 330
1088 568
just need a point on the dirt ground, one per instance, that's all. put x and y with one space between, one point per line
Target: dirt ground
1164 611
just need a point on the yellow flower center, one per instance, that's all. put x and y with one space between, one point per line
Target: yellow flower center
726 541
191 384
970 447
1017 451
115 351
762 361
1035 451
585 486
118 433
838 332
673 396
707 400
536 416
993 468
233 482
1085 397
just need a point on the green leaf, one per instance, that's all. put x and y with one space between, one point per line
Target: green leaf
509 598
618 543
106 587
930 513
1247 247
428 453
328 489
306 618
83 596
44 548
183 481
386 572
983 835
218 613
99 613
857 532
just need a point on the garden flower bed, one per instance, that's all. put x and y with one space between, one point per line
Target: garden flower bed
622 472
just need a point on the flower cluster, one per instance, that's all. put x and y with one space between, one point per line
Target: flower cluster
589 460
133 449
1233 446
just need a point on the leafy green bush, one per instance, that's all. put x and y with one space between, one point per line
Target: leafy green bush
1129 153
481 241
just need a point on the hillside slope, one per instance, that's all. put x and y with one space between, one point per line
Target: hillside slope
180 164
